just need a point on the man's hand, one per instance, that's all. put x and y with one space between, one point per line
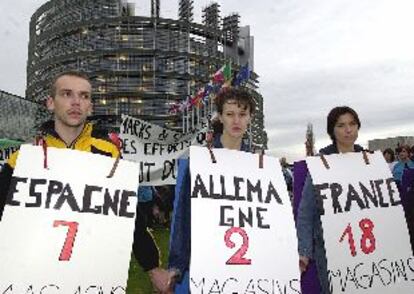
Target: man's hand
303 263
160 279
174 275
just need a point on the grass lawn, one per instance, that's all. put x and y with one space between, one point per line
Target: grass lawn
138 280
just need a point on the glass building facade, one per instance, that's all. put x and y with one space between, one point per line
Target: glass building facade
138 65
19 118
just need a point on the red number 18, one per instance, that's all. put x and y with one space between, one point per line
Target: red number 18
367 239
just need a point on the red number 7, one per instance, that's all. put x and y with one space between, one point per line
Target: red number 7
66 252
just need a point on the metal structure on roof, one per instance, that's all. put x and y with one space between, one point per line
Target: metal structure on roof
139 65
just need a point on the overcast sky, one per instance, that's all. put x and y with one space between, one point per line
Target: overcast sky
310 55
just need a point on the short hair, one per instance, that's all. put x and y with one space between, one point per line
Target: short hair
216 125
405 147
334 115
241 96
79 74
398 149
390 152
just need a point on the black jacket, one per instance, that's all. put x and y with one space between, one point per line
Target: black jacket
332 149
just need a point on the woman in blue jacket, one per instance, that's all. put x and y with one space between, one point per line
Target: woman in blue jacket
235 109
343 125
403 162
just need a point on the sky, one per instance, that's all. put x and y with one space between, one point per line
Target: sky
310 56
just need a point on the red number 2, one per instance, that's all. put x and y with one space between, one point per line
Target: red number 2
66 252
367 239
238 257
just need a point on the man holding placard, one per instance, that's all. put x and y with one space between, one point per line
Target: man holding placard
71 103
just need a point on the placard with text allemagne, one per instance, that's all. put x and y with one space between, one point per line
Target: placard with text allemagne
243 237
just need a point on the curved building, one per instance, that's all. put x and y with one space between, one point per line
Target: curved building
138 65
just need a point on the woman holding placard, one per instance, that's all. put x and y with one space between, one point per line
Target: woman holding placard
235 109
343 125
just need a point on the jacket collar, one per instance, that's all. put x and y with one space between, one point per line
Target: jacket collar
48 129
332 149
217 143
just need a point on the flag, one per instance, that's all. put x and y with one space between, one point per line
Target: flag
208 89
227 71
174 108
242 76
218 77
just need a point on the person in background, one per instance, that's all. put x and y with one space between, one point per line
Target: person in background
389 158
287 174
146 203
404 162
412 153
343 125
235 109
164 205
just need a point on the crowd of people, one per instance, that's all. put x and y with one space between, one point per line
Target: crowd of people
399 160
156 203
70 102
401 163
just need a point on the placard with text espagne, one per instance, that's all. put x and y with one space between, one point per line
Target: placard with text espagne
243 237
365 232
67 228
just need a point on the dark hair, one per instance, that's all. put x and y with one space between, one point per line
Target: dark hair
82 75
334 115
216 125
390 152
405 147
398 149
241 96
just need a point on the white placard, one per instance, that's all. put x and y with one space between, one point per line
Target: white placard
365 232
243 237
67 228
156 149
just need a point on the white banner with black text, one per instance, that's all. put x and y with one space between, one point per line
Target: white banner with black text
366 238
157 149
243 236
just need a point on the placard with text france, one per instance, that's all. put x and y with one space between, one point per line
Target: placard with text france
243 237
67 228
365 232
156 149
